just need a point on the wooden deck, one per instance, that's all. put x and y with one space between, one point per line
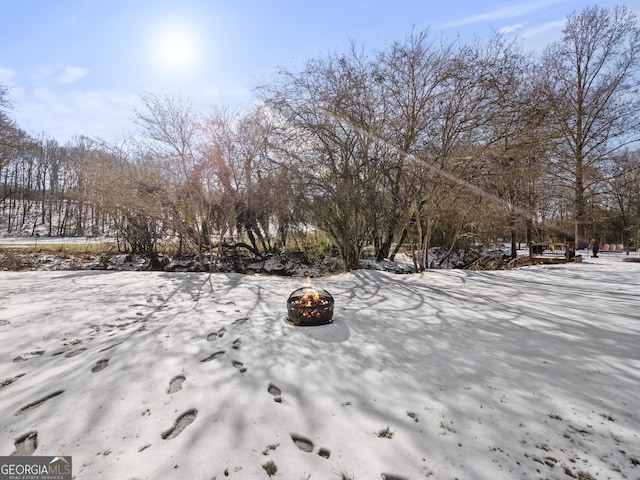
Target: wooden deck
551 253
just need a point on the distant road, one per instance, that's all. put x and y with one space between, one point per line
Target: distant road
53 240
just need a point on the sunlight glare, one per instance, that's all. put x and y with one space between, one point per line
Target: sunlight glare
176 49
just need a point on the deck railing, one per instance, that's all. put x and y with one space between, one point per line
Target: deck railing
551 252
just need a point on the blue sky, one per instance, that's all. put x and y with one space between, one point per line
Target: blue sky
79 67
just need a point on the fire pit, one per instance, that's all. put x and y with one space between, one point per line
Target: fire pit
307 307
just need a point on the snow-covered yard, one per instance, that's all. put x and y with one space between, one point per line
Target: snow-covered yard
529 373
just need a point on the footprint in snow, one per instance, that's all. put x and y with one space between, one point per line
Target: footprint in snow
324 452
276 392
175 384
270 448
73 353
306 445
9 381
213 356
302 443
239 365
26 444
27 356
100 365
182 422
112 346
236 344
4 322
37 403
215 335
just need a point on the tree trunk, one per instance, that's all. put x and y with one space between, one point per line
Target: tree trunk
514 246
579 207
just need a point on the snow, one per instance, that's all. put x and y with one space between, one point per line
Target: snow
526 373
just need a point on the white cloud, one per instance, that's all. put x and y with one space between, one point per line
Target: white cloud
502 13
511 28
86 99
6 74
212 92
72 74
236 92
69 113
544 28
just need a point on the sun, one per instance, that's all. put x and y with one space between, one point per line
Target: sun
175 49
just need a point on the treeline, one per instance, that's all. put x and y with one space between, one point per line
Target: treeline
420 144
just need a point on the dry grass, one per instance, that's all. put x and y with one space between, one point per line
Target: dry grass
10 260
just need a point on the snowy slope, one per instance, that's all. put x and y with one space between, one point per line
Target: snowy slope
530 373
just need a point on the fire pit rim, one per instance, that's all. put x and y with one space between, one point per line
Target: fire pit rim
321 293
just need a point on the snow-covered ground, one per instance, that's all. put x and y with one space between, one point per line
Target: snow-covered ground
528 373
43 240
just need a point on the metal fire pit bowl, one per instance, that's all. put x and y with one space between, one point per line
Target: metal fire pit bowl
320 313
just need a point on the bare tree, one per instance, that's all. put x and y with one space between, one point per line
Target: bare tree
4 100
517 151
170 131
621 190
242 186
11 139
592 90
330 120
460 129
411 75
